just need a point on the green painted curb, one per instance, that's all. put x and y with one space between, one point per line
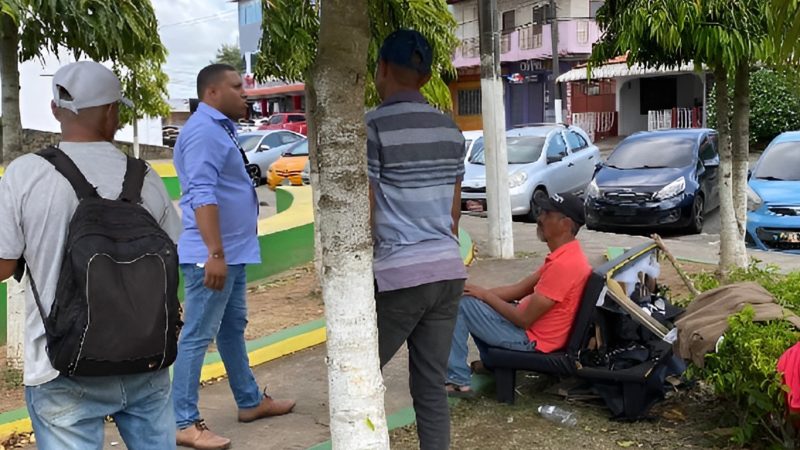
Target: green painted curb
271 339
14 415
173 187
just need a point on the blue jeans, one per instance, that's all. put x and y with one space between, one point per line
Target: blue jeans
208 315
68 412
490 328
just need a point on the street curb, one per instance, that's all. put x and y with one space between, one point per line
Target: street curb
261 351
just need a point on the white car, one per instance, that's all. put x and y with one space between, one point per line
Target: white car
470 138
549 158
264 148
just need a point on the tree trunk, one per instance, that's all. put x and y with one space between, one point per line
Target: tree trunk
741 145
136 151
338 154
730 254
9 73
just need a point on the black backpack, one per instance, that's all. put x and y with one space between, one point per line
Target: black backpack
116 308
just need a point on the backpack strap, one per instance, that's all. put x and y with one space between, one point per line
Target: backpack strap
67 168
134 180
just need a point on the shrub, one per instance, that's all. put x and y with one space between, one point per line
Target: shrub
774 102
743 371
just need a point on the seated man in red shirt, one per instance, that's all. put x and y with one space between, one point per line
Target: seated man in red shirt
549 297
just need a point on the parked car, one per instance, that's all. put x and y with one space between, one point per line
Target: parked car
305 175
658 179
287 121
548 158
470 140
245 125
264 148
773 218
287 169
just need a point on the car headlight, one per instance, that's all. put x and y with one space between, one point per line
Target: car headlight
517 179
592 190
671 190
754 200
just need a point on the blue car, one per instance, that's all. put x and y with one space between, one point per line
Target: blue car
773 203
658 179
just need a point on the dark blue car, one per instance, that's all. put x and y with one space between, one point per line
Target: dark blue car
658 179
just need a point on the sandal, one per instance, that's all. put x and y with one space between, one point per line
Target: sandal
456 391
478 368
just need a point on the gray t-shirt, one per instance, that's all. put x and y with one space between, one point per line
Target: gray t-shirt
36 205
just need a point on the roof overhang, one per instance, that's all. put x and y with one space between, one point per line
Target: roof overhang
619 70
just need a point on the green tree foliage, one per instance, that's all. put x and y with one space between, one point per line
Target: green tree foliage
123 32
229 54
774 103
291 31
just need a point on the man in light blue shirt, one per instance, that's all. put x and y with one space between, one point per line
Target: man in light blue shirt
220 218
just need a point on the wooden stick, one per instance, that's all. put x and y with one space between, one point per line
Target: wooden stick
686 280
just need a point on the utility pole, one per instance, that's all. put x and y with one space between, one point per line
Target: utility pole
498 200
556 89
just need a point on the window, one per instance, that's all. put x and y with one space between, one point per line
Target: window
594 5
539 18
469 102
297 118
273 140
576 141
582 31
249 12
288 138
509 21
556 148
707 151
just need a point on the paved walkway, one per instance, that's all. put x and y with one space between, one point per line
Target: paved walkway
303 375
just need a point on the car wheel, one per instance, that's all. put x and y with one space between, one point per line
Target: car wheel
255 175
533 213
698 217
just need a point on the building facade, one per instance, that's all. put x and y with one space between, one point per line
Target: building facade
526 56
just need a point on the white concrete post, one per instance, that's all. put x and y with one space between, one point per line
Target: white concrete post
15 323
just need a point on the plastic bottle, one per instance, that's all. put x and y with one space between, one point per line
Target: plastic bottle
558 415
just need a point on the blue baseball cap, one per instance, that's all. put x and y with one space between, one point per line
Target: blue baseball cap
408 48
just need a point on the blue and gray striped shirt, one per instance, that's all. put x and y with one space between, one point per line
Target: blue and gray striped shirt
415 156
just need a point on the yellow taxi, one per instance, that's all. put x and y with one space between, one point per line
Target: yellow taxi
287 170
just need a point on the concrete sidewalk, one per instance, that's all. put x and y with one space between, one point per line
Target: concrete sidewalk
303 375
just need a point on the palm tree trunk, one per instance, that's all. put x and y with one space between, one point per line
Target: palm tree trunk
730 253
338 154
741 145
9 73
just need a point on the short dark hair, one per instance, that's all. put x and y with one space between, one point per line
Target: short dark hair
210 75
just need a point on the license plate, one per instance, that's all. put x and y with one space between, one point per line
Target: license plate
792 238
474 205
625 212
286 182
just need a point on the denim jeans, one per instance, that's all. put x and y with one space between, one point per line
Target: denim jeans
68 412
422 317
208 315
490 328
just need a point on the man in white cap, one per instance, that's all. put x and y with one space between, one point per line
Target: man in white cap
36 206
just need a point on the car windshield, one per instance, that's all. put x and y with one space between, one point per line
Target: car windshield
299 149
780 162
249 141
520 150
274 120
653 152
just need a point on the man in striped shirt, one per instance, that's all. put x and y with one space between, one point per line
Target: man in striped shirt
416 162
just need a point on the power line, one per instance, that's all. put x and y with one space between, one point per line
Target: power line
199 20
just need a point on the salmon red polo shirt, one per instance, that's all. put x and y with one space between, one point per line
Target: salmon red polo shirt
562 279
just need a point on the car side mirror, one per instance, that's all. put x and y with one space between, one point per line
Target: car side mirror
263 148
713 162
749 174
597 167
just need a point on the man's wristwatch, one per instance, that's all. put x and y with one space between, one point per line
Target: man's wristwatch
217 255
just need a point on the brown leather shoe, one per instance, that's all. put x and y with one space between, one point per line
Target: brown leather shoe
199 437
269 407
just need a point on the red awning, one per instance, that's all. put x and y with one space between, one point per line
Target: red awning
291 89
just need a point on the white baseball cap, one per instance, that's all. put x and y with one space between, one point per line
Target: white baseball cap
89 84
